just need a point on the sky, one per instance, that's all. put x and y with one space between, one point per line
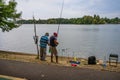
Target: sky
45 9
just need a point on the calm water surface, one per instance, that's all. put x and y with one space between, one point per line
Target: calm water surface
75 40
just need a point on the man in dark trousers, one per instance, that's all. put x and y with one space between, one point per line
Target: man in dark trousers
43 46
53 45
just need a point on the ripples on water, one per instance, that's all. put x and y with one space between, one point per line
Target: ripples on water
75 40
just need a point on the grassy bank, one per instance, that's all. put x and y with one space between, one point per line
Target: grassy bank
63 61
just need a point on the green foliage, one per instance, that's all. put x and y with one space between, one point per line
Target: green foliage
8 15
84 20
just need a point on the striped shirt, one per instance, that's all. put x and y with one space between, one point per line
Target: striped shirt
43 41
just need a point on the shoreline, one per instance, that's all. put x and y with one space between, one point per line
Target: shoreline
63 61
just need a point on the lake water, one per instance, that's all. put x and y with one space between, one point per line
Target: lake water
74 40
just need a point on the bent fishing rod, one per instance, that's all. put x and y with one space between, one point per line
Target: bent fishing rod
59 21
35 37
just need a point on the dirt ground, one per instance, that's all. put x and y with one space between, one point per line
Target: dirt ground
63 61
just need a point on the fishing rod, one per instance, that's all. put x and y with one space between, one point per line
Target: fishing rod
35 37
59 23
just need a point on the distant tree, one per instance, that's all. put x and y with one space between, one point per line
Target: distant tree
115 20
83 20
51 21
8 15
87 20
102 21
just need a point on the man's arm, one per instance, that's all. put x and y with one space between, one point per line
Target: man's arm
55 41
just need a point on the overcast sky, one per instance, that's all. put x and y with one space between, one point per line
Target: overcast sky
44 9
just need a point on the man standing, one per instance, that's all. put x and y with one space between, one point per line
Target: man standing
53 44
43 46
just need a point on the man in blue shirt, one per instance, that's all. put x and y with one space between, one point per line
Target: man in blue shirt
43 46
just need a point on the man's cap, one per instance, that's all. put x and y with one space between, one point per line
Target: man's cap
55 34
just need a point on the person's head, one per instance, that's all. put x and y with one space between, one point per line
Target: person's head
46 34
55 34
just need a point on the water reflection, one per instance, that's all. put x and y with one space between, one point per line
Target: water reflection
80 40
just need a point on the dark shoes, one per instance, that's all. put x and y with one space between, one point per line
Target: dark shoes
56 59
42 59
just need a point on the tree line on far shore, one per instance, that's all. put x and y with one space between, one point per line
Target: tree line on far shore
9 17
83 20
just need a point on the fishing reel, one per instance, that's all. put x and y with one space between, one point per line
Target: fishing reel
35 39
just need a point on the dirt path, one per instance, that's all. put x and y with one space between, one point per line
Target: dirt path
34 71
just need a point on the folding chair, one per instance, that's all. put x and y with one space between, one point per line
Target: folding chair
113 58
